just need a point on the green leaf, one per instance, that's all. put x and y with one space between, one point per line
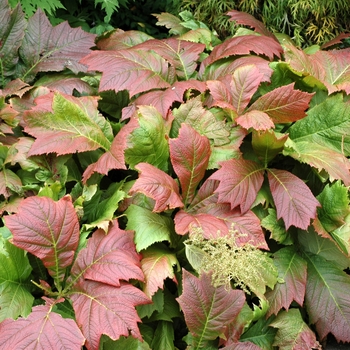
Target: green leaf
334 206
15 288
148 143
276 227
327 298
9 181
293 333
129 343
292 280
326 124
324 247
163 336
342 236
149 227
261 334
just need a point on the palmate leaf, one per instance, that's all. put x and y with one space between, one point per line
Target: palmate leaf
108 258
293 333
159 186
43 329
240 181
15 296
294 201
283 104
182 55
48 230
46 48
292 274
12 31
134 70
110 310
208 310
189 154
327 298
326 124
157 265
66 124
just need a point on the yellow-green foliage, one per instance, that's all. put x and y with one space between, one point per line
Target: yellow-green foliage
306 21
246 266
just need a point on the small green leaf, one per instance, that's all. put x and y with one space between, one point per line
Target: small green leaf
129 343
15 288
149 227
163 336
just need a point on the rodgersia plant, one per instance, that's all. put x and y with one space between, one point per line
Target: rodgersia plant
171 194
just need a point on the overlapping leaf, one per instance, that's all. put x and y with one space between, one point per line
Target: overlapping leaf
208 310
65 124
284 104
292 274
42 329
47 229
110 310
293 333
240 181
15 296
183 55
8 180
108 258
189 154
327 300
46 48
157 265
294 201
159 186
326 124
134 70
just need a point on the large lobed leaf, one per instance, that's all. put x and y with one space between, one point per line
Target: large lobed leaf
208 310
66 124
108 258
134 70
189 154
109 310
46 48
47 229
43 329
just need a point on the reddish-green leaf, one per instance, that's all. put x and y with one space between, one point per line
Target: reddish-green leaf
159 186
182 55
108 258
327 298
292 275
294 201
114 158
133 70
240 181
337 40
321 158
189 154
293 333
47 229
66 124
208 310
256 120
119 39
157 265
46 48
8 180
244 45
43 329
284 104
248 20
221 94
103 309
